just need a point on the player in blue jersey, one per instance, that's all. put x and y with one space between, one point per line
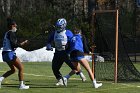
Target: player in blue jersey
61 37
77 56
9 56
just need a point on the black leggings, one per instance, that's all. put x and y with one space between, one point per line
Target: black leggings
59 58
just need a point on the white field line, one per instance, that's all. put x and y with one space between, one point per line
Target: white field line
130 85
30 74
127 85
112 88
33 75
36 75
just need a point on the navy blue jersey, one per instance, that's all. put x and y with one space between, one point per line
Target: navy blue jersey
10 41
60 39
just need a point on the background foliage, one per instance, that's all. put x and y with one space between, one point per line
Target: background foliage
36 16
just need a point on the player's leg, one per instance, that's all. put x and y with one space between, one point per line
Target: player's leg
8 73
56 65
11 71
86 65
19 66
76 66
72 72
77 71
8 57
72 65
80 73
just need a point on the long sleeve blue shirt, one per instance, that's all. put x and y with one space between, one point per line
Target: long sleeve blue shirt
76 43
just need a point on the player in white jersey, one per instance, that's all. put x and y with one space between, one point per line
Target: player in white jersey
9 56
61 37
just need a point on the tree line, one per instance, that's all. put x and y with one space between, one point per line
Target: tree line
36 16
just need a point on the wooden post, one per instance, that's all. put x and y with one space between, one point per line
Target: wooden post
116 47
116 41
93 46
93 63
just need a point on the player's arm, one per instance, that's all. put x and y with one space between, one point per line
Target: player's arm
69 34
13 40
49 41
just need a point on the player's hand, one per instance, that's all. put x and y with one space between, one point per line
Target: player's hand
24 42
49 48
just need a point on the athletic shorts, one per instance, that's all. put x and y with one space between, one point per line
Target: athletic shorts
8 56
76 56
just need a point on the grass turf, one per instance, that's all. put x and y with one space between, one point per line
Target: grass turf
41 80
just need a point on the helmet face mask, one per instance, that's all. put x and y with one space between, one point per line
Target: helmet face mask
61 24
59 28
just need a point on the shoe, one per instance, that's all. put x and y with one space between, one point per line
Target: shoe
23 87
64 81
0 84
97 85
82 77
60 82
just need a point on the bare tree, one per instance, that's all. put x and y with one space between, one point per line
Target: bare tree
7 4
5 7
2 5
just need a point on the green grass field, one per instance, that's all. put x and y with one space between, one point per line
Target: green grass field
41 80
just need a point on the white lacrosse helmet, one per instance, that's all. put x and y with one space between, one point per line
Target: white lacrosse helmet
61 24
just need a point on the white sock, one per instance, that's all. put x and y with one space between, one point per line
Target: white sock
21 83
94 81
81 74
1 78
67 76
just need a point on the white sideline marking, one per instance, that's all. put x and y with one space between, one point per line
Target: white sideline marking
131 85
128 85
33 75
47 76
42 75
30 74
111 89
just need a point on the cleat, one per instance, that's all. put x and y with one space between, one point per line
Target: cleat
0 84
59 83
64 81
23 87
83 79
97 85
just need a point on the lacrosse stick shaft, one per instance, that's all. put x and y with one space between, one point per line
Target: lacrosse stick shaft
38 35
